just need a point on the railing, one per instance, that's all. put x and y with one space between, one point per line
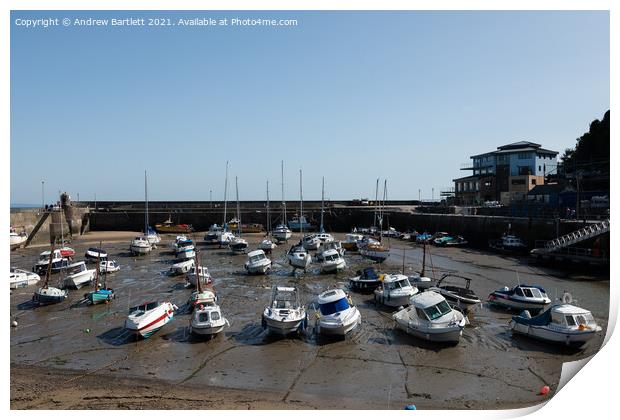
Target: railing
579 235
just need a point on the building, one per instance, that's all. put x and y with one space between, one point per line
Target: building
506 174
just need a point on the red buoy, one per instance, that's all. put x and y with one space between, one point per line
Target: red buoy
545 390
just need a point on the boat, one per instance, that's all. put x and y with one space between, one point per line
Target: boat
211 236
185 249
311 242
140 246
152 236
454 242
394 290
332 262
144 320
67 252
430 317
182 266
178 240
562 323
19 278
424 237
457 292
203 274
267 245
207 319
109 266
257 262
298 257
367 280
100 294
509 244
225 238
94 254
284 314
168 226
234 224
520 297
299 223
282 233
335 245
46 294
200 295
78 275
47 258
337 315
375 252
238 244
421 282
17 239
351 240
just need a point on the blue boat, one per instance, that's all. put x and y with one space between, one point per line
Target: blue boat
100 296
298 223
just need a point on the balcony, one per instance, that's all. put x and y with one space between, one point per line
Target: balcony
470 166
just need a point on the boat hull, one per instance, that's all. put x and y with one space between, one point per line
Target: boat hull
512 304
258 269
442 335
327 326
100 296
392 301
367 286
571 338
328 268
283 327
50 295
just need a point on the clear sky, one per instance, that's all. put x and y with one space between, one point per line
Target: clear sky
352 96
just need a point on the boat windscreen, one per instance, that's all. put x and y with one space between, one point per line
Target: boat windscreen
333 307
436 311
370 273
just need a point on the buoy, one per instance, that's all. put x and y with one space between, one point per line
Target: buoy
410 407
87 330
14 323
545 390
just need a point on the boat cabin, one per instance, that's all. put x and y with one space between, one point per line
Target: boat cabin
256 256
142 309
284 298
333 301
331 255
571 316
430 306
209 313
530 292
76 268
395 281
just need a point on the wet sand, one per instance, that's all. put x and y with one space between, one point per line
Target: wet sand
76 356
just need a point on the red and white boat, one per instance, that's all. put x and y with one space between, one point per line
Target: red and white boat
146 319
67 252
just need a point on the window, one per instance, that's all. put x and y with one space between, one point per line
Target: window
519 292
534 181
438 310
528 293
570 321
487 183
421 313
215 316
524 155
203 317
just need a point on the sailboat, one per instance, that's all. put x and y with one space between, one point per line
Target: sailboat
201 296
266 244
238 244
65 251
298 256
377 251
151 234
420 280
100 294
224 236
46 294
141 245
282 233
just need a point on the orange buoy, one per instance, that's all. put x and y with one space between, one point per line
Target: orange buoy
544 390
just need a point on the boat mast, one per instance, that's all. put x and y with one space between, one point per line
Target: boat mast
423 259
268 219
383 208
225 196
374 222
238 208
49 267
283 202
322 206
197 271
146 208
301 205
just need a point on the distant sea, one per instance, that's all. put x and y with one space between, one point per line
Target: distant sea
22 206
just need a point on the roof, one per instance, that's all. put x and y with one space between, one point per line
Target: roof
388 278
426 299
547 189
467 178
517 147
331 296
285 289
519 144
567 309
256 252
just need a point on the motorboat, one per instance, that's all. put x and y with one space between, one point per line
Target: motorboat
185 249
109 266
257 262
182 266
423 237
298 257
168 226
267 245
225 238
367 280
337 315
211 236
94 254
394 290
335 245
311 242
457 291
421 282
332 262
146 319
284 314
19 278
202 297
430 317
238 245
365 241
152 237
67 252
561 324
207 319
391 233
376 252
140 246
100 295
520 297
509 244
281 233
47 295
57 261
351 240
78 275
17 239
203 274
179 239
299 223
325 237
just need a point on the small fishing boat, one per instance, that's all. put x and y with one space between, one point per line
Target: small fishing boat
367 280
17 239
337 315
510 244
457 291
238 245
520 297
257 262
560 324
146 319
46 294
430 317
202 296
203 274
375 252
335 245
21 278
351 240
179 239
211 236
332 262
299 223
78 275
182 266
267 245
311 242
94 254
284 314
109 266
47 258
185 249
421 282
423 237
282 233
101 294
298 257
169 226
207 319
225 238
140 246
394 290
67 252
152 237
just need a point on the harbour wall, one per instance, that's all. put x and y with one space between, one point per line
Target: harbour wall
57 224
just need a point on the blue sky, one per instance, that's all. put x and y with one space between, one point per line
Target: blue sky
352 96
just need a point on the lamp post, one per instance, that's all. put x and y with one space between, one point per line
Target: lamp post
42 195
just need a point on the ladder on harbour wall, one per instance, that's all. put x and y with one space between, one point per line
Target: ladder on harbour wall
42 220
572 238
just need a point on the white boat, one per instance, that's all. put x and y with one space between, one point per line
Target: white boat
186 252
282 233
202 297
225 238
46 294
351 240
21 278
457 291
521 297
337 315
430 317
146 319
298 257
267 245
79 275
335 245
182 267
395 290
423 283
332 262
109 266
211 236
153 237
207 320
257 262
311 242
509 244
57 261
18 239
178 240
140 246
284 314
561 324
238 245
95 254
375 252
203 274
